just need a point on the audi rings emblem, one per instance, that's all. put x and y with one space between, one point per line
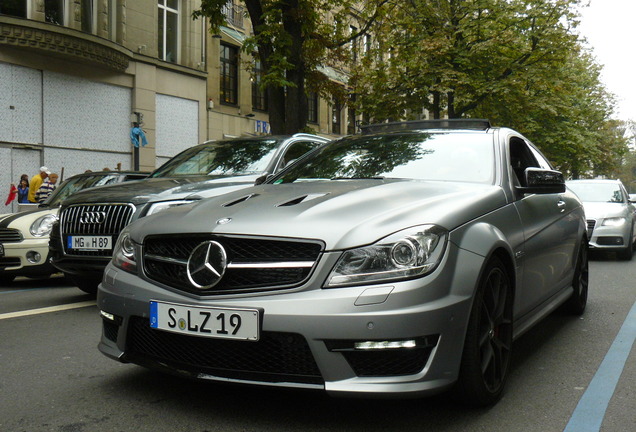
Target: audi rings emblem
94 217
206 265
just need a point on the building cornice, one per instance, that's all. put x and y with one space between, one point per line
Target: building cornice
60 41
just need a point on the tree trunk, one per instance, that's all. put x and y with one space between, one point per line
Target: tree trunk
296 99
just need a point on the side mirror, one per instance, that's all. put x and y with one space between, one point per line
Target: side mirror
262 179
542 181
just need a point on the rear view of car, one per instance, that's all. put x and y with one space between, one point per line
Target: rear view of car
609 213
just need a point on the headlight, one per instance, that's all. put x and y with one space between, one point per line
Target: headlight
163 205
406 254
42 225
614 222
124 253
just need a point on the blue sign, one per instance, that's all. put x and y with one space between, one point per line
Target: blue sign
261 126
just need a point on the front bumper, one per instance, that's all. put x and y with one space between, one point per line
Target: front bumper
310 326
608 237
30 257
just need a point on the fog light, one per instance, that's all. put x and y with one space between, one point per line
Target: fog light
107 316
33 257
383 345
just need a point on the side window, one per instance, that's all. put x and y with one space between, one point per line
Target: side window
295 151
543 162
521 157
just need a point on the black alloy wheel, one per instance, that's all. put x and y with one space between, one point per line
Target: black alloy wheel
488 345
577 302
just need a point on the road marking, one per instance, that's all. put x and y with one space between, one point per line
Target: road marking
588 414
47 309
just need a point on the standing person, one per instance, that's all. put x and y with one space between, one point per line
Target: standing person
36 182
47 187
23 191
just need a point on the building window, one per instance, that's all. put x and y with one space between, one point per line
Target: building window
312 107
168 30
259 95
229 74
54 11
112 20
354 43
233 13
336 114
16 8
351 116
89 16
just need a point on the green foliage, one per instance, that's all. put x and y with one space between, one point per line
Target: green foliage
519 63
294 39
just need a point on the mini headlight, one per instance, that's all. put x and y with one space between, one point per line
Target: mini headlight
163 205
410 253
42 226
617 221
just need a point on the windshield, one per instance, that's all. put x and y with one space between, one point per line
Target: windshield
75 184
598 192
224 158
465 157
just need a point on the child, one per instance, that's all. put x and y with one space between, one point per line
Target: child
23 191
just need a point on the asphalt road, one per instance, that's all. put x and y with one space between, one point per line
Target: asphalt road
52 377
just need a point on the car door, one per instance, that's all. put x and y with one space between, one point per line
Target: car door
550 233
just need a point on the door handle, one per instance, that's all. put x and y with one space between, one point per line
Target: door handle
561 205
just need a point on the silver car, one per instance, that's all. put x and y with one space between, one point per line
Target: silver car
391 263
610 215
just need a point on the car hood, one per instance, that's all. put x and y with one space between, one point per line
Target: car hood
162 189
22 221
343 213
603 210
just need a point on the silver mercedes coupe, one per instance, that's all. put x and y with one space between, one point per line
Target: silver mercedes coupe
398 262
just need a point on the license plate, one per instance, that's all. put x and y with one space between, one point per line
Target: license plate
1 249
89 242
214 322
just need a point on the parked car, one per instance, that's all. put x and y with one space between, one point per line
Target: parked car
610 215
392 263
24 236
81 244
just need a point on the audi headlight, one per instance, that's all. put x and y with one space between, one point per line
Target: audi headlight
124 253
163 205
614 222
406 254
42 226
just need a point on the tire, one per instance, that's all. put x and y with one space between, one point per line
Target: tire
487 350
627 253
88 284
576 304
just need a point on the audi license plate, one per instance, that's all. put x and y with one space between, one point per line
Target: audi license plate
90 242
214 322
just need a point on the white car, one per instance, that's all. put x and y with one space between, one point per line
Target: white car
609 213
24 236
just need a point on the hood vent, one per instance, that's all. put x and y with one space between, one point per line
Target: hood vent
240 200
300 199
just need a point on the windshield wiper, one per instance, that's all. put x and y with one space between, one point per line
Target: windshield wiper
359 178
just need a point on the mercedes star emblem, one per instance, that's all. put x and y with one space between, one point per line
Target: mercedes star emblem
206 265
